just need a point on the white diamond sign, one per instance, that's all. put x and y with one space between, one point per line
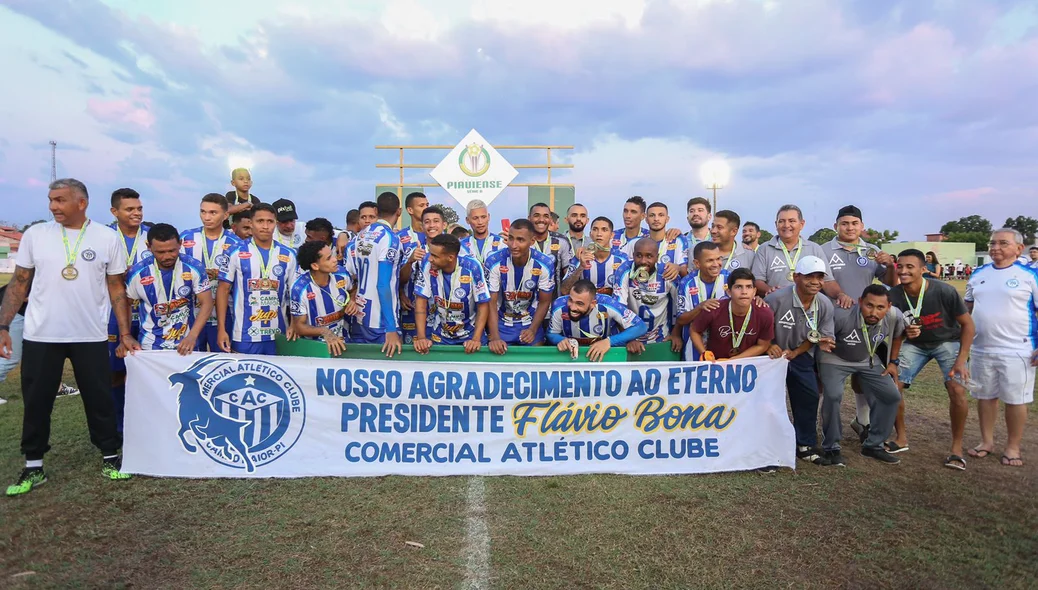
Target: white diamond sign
474 170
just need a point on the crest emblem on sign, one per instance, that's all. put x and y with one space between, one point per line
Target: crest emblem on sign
474 170
239 413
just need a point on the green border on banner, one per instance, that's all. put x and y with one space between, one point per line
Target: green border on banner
455 354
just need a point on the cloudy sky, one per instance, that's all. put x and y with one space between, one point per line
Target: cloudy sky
918 111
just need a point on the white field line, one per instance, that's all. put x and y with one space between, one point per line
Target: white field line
477 537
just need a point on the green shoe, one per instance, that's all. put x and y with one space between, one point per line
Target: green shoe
110 469
29 479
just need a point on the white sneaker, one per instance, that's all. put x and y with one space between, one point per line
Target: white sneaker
2 401
67 390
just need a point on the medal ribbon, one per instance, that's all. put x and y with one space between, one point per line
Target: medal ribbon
70 255
209 256
859 247
917 309
455 283
164 294
264 267
868 340
701 287
790 261
488 243
132 252
811 323
524 276
335 296
731 255
736 341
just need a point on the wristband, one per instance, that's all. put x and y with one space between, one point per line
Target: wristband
5 327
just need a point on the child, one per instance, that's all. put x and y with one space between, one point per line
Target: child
240 199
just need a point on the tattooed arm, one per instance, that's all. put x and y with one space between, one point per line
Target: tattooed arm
121 306
17 291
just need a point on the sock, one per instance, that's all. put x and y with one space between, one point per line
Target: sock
37 464
863 409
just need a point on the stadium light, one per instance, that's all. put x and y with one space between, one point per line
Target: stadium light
715 175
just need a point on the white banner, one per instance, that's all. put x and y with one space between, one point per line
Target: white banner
230 415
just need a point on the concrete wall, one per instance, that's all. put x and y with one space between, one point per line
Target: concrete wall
947 252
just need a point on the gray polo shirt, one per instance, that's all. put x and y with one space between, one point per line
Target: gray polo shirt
791 325
557 247
770 265
692 241
850 339
851 269
576 244
743 258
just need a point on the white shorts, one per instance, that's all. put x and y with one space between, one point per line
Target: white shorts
1008 377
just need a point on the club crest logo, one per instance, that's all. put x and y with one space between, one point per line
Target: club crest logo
144 255
183 290
530 284
278 271
89 255
459 293
1012 283
735 264
241 413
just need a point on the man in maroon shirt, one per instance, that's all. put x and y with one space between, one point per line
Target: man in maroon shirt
736 328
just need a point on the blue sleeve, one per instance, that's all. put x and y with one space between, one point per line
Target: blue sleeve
556 338
637 330
385 295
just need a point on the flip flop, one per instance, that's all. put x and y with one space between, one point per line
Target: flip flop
979 453
893 448
955 462
1008 461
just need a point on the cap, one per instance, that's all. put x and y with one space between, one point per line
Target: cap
849 211
285 210
809 265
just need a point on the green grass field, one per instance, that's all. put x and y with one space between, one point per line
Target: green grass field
914 525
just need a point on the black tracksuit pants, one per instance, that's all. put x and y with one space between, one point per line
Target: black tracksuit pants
42 366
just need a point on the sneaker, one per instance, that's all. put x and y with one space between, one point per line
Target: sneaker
811 455
834 458
2 401
67 390
30 478
767 470
880 455
110 468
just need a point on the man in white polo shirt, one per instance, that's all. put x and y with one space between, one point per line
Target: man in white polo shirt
1003 298
76 269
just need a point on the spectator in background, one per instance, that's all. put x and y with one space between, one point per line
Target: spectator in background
460 232
1034 257
553 225
933 267
344 237
750 236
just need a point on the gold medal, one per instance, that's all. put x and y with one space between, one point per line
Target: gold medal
814 336
790 275
871 254
69 273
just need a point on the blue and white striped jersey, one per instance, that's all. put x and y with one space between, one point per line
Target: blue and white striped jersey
454 296
692 292
212 253
670 251
168 299
620 239
607 318
322 306
377 243
653 300
482 249
603 274
518 289
134 249
409 240
261 281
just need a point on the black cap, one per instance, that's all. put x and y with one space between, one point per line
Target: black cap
848 211
285 210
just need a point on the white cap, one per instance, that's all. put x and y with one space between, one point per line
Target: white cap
810 264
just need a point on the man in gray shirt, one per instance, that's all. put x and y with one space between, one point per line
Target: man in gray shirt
725 233
775 260
855 265
803 320
868 340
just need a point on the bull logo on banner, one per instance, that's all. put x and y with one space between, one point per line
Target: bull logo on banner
243 413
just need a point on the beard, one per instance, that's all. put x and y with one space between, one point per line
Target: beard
577 227
575 317
747 240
